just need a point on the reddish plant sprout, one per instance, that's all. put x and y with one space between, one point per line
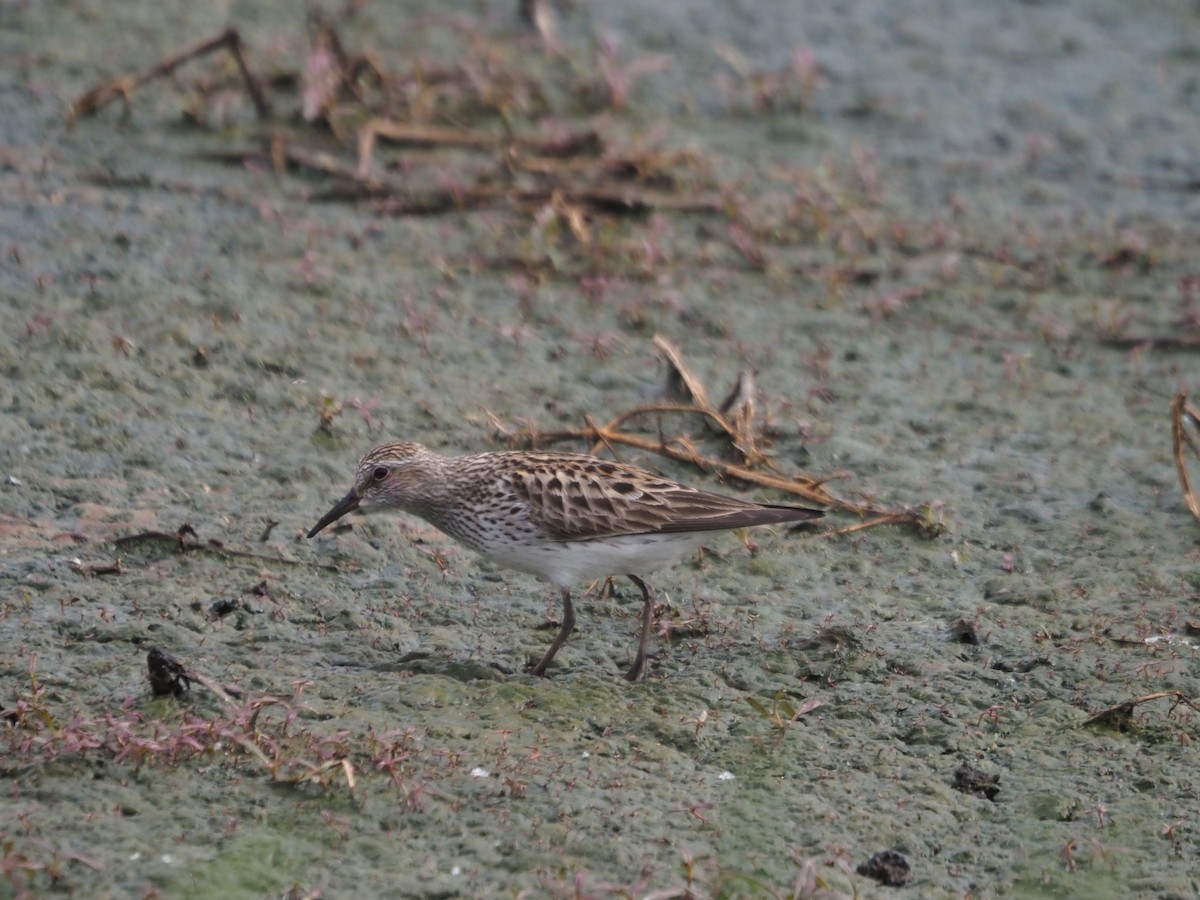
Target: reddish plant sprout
596 289
790 87
1189 315
319 82
618 76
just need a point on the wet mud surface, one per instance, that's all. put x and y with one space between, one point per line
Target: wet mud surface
941 233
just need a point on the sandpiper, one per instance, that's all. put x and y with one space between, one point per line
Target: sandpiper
565 517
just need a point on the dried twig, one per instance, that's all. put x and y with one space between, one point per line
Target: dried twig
123 87
112 568
1154 342
1181 410
415 134
681 449
571 172
740 431
1121 715
681 376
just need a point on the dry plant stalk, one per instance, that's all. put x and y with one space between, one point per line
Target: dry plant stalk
1181 410
571 172
1119 716
416 134
123 87
735 421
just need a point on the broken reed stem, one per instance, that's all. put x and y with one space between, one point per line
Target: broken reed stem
1180 410
740 435
578 178
1121 714
681 449
123 87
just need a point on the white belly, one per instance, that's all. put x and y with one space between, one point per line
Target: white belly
570 562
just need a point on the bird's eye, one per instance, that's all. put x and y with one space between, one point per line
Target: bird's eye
380 473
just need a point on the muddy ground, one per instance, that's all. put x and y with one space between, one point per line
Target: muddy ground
942 236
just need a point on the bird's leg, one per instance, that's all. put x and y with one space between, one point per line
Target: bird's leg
639 661
568 625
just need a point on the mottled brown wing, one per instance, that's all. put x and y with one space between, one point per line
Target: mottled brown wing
579 497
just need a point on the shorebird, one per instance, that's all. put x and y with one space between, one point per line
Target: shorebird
565 517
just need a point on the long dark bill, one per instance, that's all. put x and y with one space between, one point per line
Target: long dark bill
349 503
